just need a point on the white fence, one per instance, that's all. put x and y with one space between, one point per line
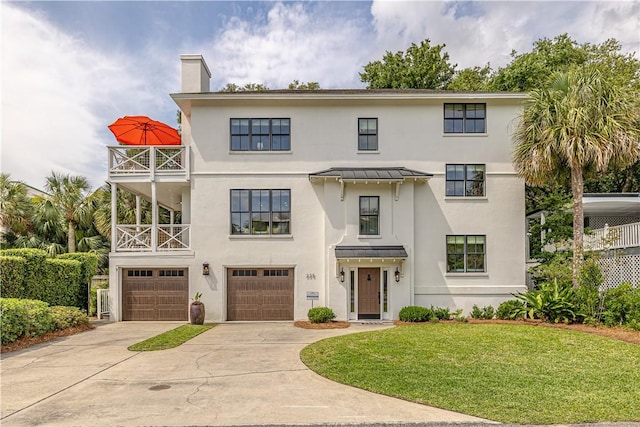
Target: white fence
102 306
617 237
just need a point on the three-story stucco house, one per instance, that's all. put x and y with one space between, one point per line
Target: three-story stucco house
364 201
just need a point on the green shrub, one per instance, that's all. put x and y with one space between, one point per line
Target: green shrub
486 312
14 320
587 295
24 317
67 317
622 306
12 273
441 313
415 313
39 318
321 315
553 302
511 309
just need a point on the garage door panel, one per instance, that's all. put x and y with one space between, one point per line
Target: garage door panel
260 294
155 294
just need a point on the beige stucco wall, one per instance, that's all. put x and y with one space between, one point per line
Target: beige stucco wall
324 135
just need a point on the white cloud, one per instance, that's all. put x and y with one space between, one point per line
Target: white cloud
58 96
479 32
289 43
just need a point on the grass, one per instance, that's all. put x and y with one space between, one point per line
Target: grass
171 339
508 373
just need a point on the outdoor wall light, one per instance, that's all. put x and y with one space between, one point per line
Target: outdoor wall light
205 269
342 275
397 275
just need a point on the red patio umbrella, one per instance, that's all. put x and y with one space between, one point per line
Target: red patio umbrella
141 130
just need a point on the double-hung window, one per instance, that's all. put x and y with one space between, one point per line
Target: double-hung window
367 134
465 118
465 180
466 254
369 215
260 211
260 134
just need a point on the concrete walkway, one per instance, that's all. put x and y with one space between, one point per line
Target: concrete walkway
233 374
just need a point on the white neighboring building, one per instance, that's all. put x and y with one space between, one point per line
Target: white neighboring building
364 201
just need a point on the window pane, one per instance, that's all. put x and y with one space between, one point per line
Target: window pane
260 201
453 110
475 172
280 223
260 126
260 223
239 223
239 200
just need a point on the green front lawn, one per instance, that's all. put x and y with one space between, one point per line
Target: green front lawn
507 373
172 338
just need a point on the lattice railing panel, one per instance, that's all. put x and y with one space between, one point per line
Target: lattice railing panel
620 269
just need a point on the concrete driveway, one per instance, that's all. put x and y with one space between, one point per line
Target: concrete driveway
233 374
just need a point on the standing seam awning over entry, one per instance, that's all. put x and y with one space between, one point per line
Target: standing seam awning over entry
344 252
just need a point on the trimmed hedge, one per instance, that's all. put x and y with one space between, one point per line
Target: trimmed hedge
26 317
89 268
62 284
34 270
12 271
58 281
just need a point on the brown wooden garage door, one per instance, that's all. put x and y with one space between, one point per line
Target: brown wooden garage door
155 294
259 294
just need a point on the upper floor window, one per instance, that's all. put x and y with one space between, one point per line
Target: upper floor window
367 134
369 215
465 180
260 211
466 254
465 118
260 134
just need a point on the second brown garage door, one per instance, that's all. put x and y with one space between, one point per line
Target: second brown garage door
155 294
260 294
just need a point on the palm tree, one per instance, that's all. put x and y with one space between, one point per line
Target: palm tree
579 123
15 206
69 197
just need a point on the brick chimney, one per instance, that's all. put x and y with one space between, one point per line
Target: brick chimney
195 74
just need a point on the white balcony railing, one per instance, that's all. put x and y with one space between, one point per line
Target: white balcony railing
616 237
137 238
148 160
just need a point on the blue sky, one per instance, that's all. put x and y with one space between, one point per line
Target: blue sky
69 69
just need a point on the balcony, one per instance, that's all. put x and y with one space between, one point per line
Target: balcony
616 237
148 162
140 238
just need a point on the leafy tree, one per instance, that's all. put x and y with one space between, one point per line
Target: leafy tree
249 87
472 79
420 67
532 70
69 198
581 122
296 85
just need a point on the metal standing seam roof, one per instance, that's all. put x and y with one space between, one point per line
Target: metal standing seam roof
384 174
370 252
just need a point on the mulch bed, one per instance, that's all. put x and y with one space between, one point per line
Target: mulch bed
24 342
618 333
305 324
